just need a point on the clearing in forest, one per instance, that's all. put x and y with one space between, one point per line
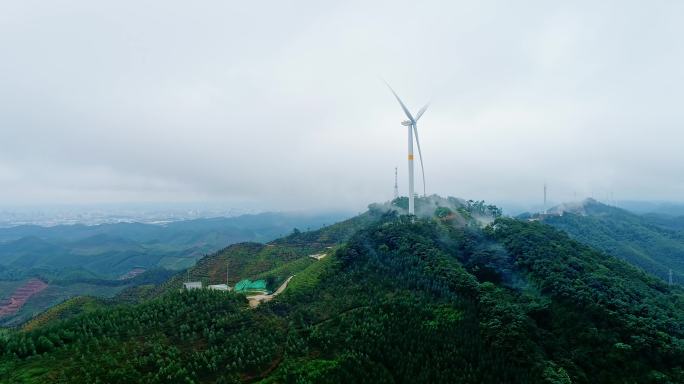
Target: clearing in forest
21 296
255 300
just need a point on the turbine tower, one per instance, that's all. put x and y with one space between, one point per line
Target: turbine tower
412 124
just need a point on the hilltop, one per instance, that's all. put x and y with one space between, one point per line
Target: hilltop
461 295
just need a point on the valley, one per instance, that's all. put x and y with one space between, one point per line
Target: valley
104 261
19 297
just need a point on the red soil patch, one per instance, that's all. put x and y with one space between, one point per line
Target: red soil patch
20 296
131 274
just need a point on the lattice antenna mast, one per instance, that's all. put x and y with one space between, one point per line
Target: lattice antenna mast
396 185
544 197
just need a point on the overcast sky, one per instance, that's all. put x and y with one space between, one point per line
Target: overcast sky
280 104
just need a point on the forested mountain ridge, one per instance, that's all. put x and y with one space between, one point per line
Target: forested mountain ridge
111 250
651 242
433 299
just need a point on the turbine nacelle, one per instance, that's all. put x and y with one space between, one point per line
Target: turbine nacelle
406 123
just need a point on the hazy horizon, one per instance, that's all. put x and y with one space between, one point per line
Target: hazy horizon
281 107
164 212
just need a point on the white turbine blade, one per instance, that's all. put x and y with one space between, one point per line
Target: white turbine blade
422 110
406 111
420 155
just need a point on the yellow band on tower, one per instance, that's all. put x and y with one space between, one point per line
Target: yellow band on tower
410 157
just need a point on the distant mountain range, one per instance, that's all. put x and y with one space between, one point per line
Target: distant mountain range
111 250
667 208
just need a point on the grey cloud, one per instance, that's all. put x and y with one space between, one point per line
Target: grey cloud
280 103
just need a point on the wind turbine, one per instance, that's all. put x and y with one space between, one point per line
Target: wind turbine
412 124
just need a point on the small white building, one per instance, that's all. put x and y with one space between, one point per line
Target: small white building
220 287
192 285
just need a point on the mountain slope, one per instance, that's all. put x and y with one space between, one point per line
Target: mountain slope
644 241
428 300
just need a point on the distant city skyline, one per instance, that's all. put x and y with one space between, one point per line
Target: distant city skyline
92 214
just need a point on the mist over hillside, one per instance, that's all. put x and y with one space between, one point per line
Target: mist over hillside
667 208
652 242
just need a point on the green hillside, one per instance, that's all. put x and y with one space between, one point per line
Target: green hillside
274 261
445 298
61 289
651 242
80 260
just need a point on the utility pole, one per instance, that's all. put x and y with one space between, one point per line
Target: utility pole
396 186
670 278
